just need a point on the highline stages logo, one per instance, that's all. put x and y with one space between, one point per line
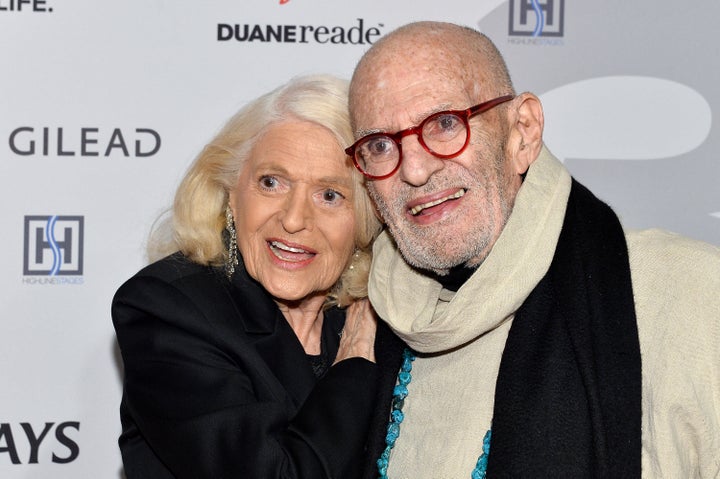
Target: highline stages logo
54 246
535 18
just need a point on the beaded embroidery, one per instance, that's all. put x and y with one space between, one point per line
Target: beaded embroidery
396 418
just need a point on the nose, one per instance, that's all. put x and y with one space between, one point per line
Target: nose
297 213
417 165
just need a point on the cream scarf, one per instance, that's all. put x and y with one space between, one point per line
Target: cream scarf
676 282
449 407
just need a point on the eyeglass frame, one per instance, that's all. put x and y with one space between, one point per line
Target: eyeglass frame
397 137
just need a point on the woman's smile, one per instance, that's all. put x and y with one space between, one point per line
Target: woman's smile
287 252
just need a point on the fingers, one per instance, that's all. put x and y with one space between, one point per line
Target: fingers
358 337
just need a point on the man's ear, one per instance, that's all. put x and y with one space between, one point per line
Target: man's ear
526 122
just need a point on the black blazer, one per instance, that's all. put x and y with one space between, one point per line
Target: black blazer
217 385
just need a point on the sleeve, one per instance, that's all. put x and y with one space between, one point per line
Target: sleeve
203 408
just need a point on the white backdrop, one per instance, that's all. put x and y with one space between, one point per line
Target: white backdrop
104 104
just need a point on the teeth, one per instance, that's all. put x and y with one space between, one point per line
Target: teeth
284 247
417 209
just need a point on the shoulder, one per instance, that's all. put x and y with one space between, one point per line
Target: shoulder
663 245
673 275
173 284
661 259
176 290
175 271
173 268
675 285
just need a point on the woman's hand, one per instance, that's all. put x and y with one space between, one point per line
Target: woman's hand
358 336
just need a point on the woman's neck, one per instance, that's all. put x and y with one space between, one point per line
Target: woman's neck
305 318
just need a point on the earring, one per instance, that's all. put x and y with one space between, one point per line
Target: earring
355 258
232 256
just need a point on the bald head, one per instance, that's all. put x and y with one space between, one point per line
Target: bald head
428 78
458 54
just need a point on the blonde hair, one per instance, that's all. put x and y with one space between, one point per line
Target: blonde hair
197 222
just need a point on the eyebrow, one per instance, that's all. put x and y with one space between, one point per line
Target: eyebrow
323 180
417 119
366 132
335 180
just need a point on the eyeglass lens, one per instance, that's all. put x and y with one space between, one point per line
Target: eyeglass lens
443 134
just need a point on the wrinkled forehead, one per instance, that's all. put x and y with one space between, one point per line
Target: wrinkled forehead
395 89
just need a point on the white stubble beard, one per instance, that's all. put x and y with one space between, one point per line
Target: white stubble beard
431 247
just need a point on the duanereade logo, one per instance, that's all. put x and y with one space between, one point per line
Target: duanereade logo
357 34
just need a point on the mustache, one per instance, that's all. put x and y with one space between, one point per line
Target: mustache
403 193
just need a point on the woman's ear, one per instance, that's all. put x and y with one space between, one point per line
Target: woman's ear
525 131
231 202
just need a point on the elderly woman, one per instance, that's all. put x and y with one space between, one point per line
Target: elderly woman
235 358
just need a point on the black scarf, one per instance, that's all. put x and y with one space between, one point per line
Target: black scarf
568 394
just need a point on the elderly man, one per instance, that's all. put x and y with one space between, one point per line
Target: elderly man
543 339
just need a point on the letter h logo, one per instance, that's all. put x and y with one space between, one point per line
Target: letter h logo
53 246
533 18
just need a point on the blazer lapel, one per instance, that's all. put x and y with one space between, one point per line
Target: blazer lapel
272 336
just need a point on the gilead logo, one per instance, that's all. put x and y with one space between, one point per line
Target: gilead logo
84 142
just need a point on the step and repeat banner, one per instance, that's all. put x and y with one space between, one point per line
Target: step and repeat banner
104 104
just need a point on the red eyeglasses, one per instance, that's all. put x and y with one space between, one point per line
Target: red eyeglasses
444 134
